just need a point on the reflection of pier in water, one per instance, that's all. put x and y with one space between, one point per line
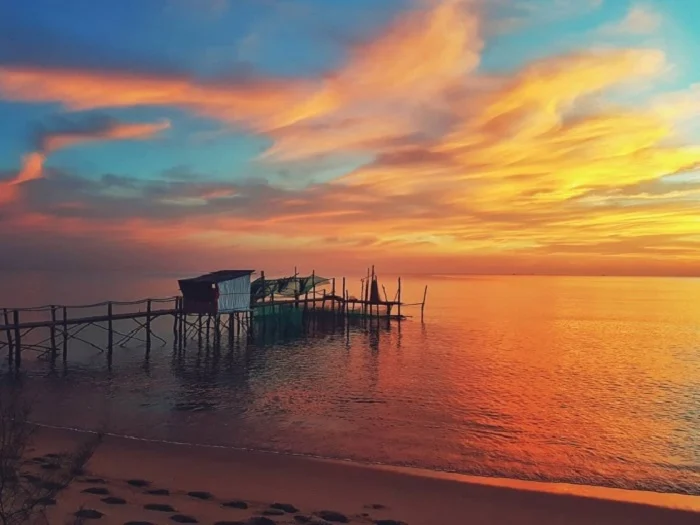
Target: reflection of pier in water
216 310
303 341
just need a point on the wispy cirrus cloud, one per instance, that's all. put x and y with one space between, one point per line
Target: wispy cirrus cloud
641 19
65 132
511 169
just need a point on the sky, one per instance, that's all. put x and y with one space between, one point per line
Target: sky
425 136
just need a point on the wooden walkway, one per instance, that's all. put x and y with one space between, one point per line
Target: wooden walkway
18 323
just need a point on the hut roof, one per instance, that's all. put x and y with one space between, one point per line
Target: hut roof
219 276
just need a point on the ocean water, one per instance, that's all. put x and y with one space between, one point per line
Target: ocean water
582 380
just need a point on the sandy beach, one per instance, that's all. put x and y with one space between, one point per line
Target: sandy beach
134 481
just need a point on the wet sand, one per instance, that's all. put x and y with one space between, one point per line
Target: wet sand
132 481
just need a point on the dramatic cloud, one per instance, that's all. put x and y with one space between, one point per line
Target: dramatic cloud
548 166
65 132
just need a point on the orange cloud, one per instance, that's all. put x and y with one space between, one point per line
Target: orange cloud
537 169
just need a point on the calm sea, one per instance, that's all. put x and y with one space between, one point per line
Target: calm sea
567 379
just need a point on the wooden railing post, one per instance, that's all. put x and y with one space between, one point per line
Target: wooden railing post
313 288
344 304
110 333
148 326
8 332
53 332
65 334
176 322
18 340
399 299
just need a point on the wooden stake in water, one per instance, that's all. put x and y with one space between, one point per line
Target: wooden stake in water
8 333
18 340
398 293
422 306
148 326
110 333
65 334
53 332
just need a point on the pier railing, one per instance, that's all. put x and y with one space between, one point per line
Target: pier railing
19 323
23 328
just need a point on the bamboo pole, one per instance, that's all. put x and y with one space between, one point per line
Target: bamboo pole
422 305
8 333
18 340
65 334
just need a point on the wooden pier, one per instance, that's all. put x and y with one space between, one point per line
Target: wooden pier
48 329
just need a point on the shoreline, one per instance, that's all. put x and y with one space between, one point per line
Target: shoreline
414 496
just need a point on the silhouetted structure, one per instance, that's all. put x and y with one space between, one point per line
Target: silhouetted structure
211 305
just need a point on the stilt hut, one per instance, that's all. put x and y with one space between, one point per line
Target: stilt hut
224 291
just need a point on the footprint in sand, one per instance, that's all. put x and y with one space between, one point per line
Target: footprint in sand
113 500
159 507
100 491
88 514
235 504
331 515
94 481
285 507
158 492
260 520
181 518
138 482
200 494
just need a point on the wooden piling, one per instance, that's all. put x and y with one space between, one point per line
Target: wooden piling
53 332
231 319
148 326
313 287
199 330
333 295
344 305
8 333
398 294
18 339
65 334
208 329
176 321
183 324
110 333
366 297
422 305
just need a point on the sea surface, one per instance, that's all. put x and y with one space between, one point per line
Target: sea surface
585 380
